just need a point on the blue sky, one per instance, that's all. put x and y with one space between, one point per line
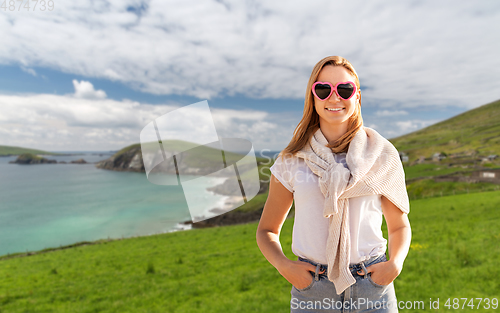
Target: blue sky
89 75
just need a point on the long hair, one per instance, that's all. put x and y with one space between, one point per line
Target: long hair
310 119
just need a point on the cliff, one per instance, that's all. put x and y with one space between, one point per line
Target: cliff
127 159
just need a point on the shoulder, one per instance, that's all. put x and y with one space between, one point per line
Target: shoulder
375 136
289 163
287 158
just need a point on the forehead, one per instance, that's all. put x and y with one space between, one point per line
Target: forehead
334 74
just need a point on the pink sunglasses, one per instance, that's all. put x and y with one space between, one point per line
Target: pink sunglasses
323 90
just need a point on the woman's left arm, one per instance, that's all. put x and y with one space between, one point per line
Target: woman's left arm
399 231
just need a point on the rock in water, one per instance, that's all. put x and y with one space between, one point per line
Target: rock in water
29 158
79 161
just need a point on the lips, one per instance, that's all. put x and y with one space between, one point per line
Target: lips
334 109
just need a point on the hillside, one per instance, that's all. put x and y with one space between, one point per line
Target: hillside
10 150
475 133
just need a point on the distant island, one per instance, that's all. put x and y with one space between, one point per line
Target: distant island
30 158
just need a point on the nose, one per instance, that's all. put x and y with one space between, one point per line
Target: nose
334 97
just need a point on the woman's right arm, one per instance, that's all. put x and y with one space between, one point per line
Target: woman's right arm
278 204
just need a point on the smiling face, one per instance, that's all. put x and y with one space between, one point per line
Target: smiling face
335 111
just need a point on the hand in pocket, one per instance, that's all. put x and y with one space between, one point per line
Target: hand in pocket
298 273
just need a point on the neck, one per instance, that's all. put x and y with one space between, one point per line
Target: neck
333 132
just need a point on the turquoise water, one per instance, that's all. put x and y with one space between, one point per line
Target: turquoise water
49 205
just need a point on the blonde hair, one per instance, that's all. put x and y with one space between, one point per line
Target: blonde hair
310 119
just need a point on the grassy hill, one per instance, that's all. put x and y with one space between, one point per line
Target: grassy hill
453 255
9 150
475 132
465 141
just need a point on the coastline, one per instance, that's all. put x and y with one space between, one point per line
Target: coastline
224 205
227 216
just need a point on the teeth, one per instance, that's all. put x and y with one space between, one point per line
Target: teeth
332 109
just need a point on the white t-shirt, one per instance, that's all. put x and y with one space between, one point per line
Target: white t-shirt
310 228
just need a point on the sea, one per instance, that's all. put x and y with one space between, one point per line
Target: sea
52 205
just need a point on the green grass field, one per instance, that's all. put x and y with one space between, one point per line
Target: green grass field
430 170
428 188
454 254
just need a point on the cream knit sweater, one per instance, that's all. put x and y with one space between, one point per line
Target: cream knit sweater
374 167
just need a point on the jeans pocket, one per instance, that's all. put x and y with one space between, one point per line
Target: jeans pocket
308 287
374 283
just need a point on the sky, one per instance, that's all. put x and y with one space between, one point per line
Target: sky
90 75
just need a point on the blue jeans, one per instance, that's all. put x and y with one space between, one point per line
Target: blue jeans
364 296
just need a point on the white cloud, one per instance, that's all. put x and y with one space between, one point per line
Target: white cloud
412 125
28 70
391 113
422 53
54 122
392 126
85 90
408 55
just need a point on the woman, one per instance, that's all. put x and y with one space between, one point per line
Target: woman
343 177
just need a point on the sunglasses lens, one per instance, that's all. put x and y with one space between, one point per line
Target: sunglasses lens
345 90
322 91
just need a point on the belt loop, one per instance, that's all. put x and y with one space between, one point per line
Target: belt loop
364 269
316 274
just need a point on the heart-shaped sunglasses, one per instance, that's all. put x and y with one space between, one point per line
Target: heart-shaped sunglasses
323 90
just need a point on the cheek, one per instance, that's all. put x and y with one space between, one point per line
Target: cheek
317 105
352 106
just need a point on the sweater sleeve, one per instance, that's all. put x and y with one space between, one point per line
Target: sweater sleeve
389 179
